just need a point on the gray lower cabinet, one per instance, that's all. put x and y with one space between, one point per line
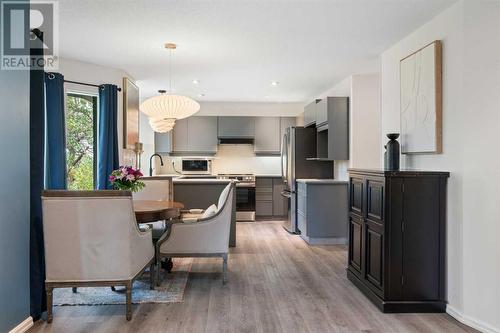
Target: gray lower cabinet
268 200
236 127
322 211
267 135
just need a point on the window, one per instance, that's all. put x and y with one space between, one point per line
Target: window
81 141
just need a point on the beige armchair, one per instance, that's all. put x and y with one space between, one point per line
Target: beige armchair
157 188
204 237
92 239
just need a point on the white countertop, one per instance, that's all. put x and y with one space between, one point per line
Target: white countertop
200 181
322 181
268 176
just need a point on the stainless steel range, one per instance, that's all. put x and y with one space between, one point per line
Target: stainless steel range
245 195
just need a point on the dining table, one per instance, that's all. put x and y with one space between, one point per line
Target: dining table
156 210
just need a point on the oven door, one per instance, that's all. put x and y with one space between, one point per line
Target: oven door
245 202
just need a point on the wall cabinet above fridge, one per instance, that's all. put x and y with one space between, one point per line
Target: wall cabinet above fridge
331 119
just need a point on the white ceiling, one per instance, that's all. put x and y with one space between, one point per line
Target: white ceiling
235 48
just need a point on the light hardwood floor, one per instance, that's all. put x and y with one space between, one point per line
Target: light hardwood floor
277 283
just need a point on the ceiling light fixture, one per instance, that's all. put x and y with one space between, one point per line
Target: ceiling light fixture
195 81
274 83
201 95
164 108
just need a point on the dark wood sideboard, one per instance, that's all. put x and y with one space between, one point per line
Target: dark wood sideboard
397 238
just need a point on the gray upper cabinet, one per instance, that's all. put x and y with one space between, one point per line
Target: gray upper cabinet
310 114
202 134
163 143
322 112
267 135
194 135
333 133
180 135
286 122
236 127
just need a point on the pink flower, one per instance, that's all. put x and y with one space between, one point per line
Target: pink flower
130 177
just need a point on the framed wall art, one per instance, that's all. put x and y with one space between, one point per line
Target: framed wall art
130 114
421 100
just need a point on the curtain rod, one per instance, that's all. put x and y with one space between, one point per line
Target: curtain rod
87 84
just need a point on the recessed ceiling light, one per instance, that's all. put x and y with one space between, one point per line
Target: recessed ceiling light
267 96
275 83
201 95
195 81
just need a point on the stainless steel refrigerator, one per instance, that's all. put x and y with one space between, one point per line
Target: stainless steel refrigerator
299 144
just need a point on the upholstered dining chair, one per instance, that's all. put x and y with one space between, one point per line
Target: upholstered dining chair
92 240
157 188
204 237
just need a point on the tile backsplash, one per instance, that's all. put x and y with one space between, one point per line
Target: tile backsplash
232 159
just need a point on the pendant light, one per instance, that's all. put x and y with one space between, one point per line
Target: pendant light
164 109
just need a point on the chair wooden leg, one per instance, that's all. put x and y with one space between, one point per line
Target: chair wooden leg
74 289
152 276
128 292
224 268
48 291
157 271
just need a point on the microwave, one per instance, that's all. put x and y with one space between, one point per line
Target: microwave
197 166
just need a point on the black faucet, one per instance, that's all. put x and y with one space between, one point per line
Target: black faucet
150 160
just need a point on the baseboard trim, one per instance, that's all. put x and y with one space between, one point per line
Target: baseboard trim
466 320
23 326
324 241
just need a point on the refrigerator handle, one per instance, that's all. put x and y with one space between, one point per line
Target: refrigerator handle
284 158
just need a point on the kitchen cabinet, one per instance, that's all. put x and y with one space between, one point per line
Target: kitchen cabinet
190 135
180 136
322 211
268 200
332 124
202 135
163 143
286 122
236 127
267 136
397 238
310 114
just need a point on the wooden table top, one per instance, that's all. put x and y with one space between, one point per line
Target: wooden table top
152 206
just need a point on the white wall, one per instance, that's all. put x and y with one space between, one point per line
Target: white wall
255 109
74 70
470 33
364 143
363 91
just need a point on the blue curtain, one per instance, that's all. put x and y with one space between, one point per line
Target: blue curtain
55 150
107 135
37 134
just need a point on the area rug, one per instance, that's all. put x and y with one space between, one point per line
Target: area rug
171 289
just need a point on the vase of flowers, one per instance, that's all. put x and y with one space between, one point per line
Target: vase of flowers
126 178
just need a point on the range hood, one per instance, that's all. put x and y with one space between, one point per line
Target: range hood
236 141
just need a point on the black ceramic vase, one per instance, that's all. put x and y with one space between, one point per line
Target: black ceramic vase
392 162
